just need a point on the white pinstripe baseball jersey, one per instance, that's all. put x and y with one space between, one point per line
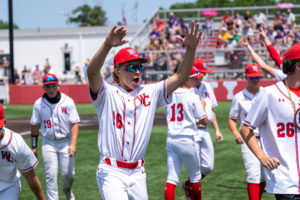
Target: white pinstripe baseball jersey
55 119
126 119
182 113
14 153
272 112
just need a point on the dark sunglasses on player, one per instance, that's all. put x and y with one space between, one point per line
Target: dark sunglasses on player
133 68
253 78
50 79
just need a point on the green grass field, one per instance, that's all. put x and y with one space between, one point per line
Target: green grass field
226 182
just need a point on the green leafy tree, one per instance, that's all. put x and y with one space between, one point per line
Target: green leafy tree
87 16
5 25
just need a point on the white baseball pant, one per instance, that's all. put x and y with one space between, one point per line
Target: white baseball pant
121 183
207 155
253 167
183 149
54 152
11 193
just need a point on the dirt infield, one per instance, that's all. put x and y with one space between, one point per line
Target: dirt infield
22 125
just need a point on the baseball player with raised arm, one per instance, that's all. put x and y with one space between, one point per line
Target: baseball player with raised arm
16 154
181 145
276 112
56 115
240 107
126 112
279 75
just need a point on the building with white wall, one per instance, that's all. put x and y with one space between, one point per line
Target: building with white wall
32 47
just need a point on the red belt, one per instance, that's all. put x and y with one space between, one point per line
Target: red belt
258 137
126 165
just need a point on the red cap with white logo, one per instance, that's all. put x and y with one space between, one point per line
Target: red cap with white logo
127 54
253 70
201 65
195 73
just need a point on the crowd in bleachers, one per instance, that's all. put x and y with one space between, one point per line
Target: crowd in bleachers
235 30
232 33
163 37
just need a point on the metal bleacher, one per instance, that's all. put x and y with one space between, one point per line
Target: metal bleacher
207 48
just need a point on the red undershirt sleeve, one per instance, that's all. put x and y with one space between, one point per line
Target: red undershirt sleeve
274 54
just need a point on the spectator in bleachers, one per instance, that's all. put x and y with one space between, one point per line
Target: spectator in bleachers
226 18
78 76
175 60
85 66
24 71
28 78
291 17
238 22
247 30
37 75
223 37
5 66
284 18
161 64
277 16
173 21
277 24
159 25
248 18
16 77
259 19
271 33
208 24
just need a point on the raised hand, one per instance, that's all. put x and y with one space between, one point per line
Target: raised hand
263 36
116 37
192 37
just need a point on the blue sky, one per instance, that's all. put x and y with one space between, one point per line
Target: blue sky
44 14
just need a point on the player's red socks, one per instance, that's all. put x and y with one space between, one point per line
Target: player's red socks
196 188
262 186
170 191
253 191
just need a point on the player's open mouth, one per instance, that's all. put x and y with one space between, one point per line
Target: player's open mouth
136 80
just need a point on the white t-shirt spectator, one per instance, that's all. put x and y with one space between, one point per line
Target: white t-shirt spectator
260 18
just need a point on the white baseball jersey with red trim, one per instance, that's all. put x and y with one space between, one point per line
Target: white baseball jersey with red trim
55 119
181 146
273 113
206 91
15 154
182 113
241 105
126 119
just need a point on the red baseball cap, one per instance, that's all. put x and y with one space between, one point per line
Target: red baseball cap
127 54
50 79
201 65
293 52
253 70
195 73
2 120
